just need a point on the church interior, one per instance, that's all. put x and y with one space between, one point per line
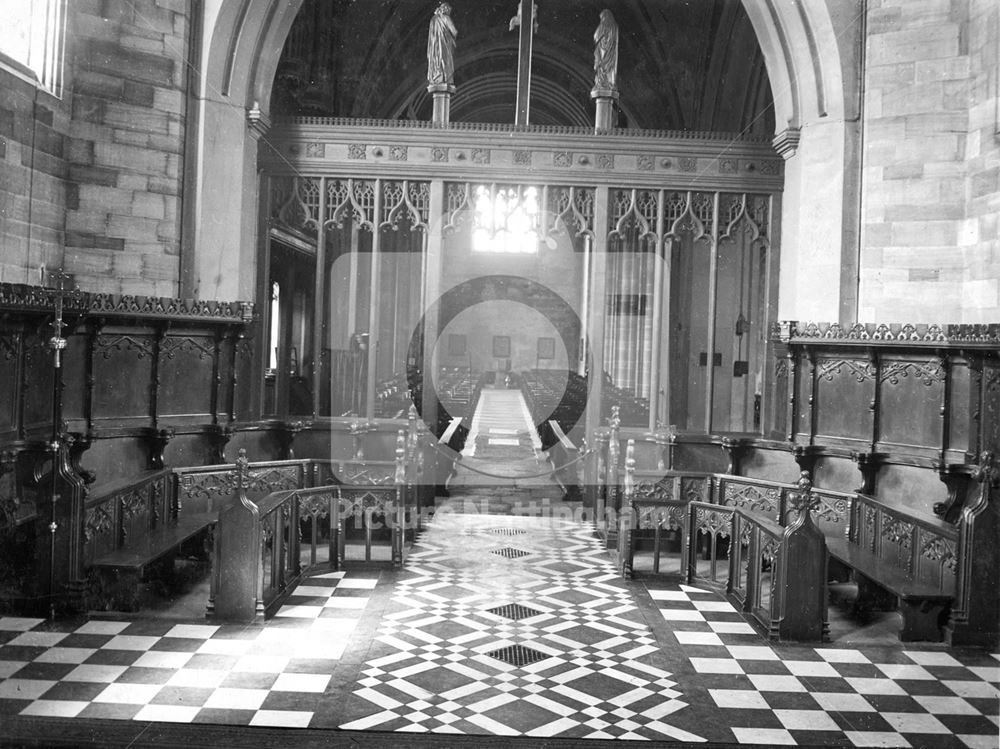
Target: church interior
414 373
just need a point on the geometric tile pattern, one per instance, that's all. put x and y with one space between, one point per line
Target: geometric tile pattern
514 611
887 696
158 670
518 655
508 552
594 669
416 651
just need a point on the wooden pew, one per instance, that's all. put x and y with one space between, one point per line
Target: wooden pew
777 573
898 559
911 558
133 530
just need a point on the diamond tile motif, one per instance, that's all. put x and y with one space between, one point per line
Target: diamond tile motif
457 652
514 611
509 552
517 655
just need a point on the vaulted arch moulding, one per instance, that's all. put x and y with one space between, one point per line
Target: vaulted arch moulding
810 51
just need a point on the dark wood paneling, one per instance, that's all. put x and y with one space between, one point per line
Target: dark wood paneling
186 369
844 380
74 377
37 384
960 438
244 380
990 409
10 347
910 401
224 399
123 372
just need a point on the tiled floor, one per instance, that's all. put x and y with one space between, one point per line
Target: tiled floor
502 625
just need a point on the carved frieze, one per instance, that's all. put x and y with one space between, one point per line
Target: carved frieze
930 373
171 346
890 333
107 345
829 369
98 521
22 298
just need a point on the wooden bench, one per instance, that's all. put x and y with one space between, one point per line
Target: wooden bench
910 558
898 559
134 530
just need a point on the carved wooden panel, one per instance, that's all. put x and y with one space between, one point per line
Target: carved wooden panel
123 371
224 397
960 408
244 380
74 377
911 397
803 399
10 345
186 367
991 408
37 383
776 418
843 380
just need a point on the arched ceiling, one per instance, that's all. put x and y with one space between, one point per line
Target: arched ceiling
683 64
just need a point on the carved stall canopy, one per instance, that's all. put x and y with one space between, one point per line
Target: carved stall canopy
902 391
139 368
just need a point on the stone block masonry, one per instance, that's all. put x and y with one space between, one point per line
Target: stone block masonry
931 186
128 94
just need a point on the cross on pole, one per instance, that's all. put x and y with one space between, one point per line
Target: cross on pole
526 9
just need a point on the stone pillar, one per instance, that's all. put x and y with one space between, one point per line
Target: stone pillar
442 102
605 98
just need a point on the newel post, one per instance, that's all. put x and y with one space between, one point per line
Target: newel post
803 613
238 570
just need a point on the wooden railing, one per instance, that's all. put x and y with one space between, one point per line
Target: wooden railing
777 575
259 550
899 558
710 528
656 503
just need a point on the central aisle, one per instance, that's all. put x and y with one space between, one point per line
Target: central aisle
501 420
503 456
513 625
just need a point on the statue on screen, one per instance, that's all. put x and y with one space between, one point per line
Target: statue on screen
606 52
441 47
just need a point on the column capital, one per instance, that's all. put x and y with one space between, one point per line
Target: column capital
604 93
786 143
258 122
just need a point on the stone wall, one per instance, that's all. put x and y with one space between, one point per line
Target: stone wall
91 182
126 150
33 126
930 192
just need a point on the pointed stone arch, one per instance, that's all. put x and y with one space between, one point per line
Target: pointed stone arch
811 52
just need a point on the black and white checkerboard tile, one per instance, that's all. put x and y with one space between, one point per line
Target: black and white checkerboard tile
888 696
150 670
